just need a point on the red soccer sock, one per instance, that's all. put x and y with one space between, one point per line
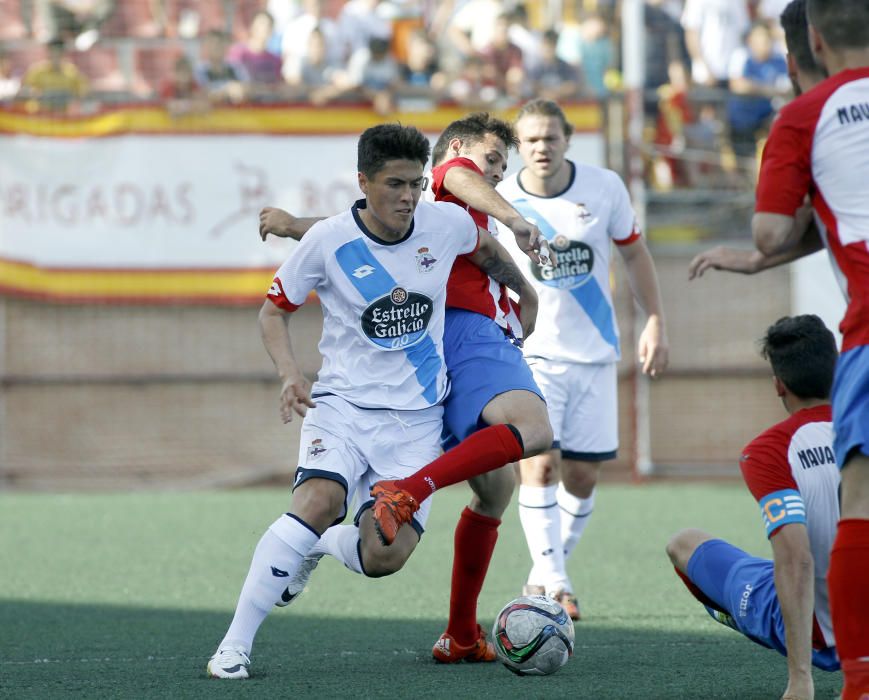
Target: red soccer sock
474 543
848 583
483 451
697 593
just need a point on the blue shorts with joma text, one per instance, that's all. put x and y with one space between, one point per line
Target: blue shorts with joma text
482 363
851 404
743 585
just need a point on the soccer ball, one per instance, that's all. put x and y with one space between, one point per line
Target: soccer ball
533 636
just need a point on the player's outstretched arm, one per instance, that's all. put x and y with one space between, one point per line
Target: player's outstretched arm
473 190
282 224
493 259
794 571
750 262
295 391
653 349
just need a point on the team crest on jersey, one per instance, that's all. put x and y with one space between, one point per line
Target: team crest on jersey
561 242
397 320
317 448
425 260
582 212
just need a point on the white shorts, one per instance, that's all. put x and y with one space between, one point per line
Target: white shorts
582 400
359 446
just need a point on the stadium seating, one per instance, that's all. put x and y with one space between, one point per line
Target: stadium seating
11 24
101 66
203 15
152 65
131 19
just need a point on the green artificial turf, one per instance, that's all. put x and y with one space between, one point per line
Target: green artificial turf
126 596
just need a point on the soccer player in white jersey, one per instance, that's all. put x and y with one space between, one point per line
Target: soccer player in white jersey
380 271
819 146
790 470
581 210
490 380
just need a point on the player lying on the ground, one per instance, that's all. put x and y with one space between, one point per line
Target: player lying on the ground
490 381
380 270
790 469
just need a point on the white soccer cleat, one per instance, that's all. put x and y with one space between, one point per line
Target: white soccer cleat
229 662
300 580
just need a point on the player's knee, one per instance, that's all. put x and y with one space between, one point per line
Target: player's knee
682 545
579 482
318 502
536 434
379 561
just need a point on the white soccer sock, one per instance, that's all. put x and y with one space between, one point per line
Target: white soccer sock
541 521
575 514
342 542
275 560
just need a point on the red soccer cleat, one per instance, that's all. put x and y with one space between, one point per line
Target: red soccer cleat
569 602
447 651
393 507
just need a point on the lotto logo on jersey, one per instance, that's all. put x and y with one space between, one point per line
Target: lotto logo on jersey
397 320
575 264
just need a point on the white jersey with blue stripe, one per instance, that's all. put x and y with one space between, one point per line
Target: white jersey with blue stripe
576 320
383 304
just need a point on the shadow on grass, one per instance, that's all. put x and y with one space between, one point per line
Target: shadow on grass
116 652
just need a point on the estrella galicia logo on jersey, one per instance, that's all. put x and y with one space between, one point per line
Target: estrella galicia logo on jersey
397 320
575 264
424 260
316 449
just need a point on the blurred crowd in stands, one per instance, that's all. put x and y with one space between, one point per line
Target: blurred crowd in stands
715 69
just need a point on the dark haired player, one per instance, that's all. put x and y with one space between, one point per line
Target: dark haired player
380 390
790 469
490 381
819 146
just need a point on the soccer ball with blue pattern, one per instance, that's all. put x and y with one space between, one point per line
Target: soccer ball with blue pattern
533 636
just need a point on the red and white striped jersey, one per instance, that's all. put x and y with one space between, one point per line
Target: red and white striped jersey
819 145
791 471
469 287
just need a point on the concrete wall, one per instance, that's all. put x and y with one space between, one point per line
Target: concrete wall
126 396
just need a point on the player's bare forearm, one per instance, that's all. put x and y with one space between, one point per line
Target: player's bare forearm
474 191
750 262
295 394
493 259
794 574
478 194
283 224
653 347
642 277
